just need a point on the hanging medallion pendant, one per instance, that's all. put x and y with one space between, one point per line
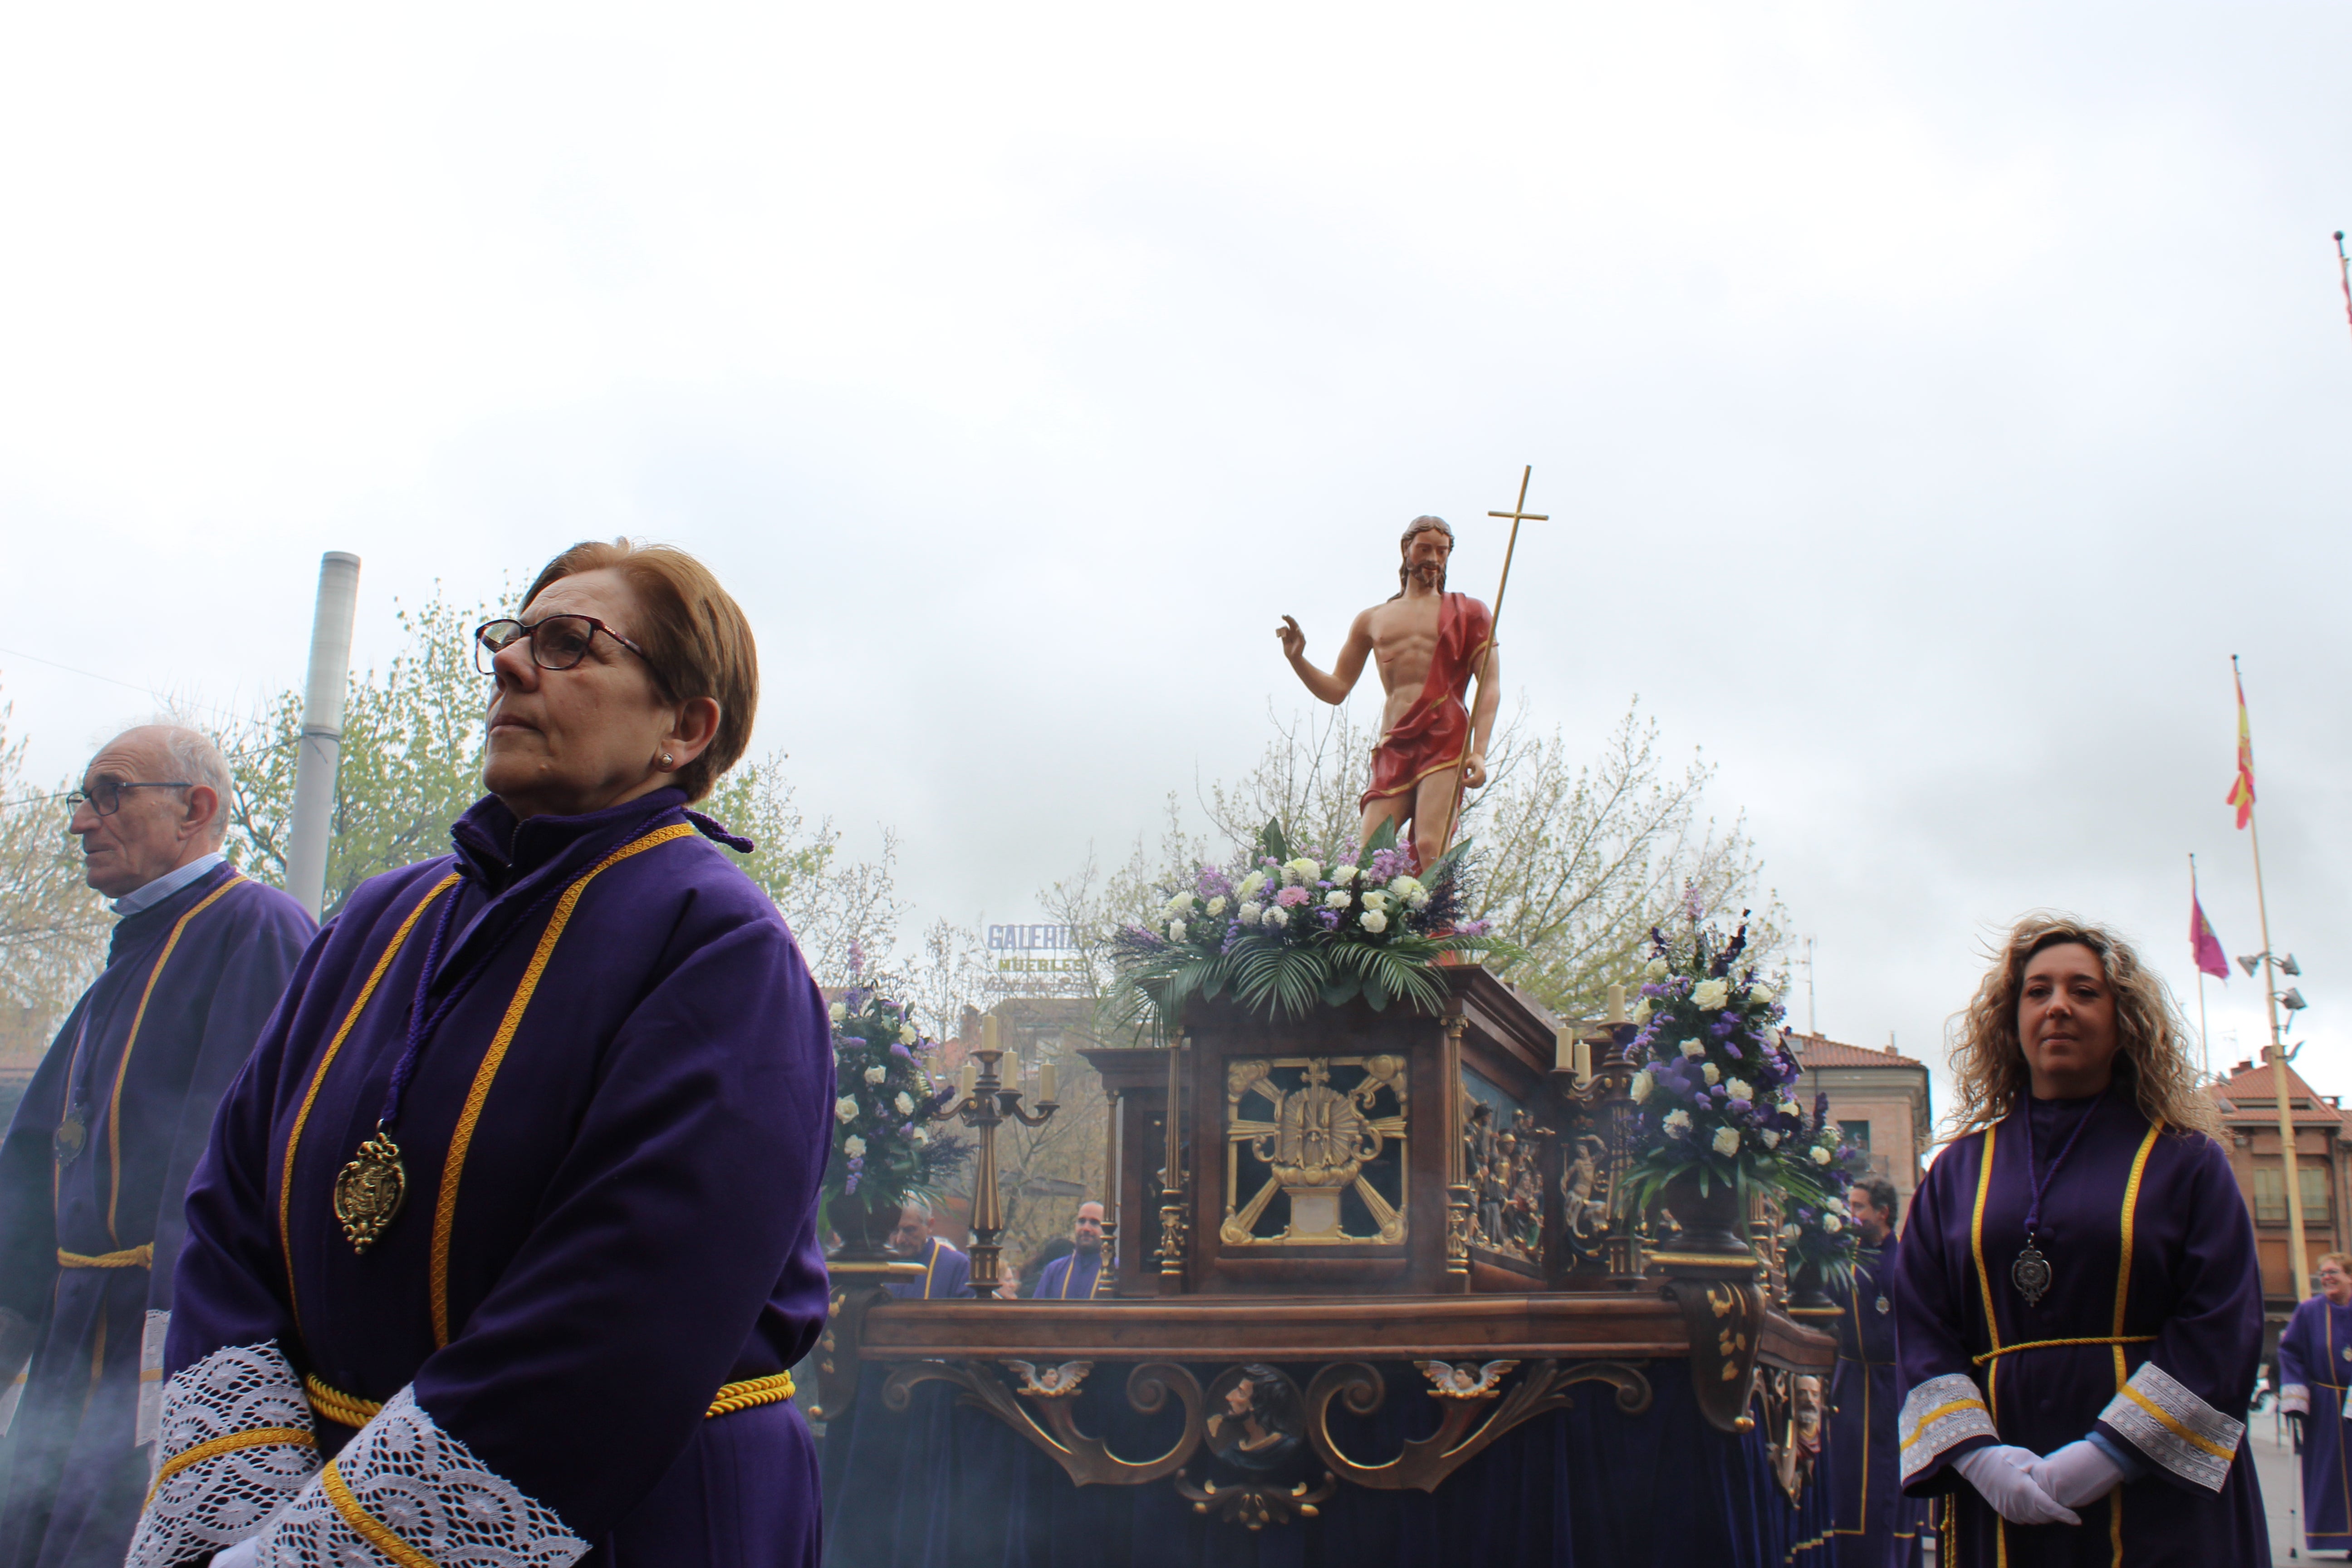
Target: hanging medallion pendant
2031 1274
369 1191
66 1142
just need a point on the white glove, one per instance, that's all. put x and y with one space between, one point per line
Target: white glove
244 1555
2003 1479
2077 1474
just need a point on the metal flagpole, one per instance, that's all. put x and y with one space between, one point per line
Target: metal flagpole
2204 1040
2298 1261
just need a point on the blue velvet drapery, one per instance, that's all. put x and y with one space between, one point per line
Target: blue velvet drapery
944 1485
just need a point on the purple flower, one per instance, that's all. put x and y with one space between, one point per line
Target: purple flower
1330 919
902 1052
850 1186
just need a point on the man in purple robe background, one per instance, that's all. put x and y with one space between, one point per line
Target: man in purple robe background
1872 1523
94 1170
947 1273
2314 1366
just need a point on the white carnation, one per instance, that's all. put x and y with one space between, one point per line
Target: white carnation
1408 889
1773 1036
1711 1072
1762 996
1182 904
1710 995
1373 922
1656 969
839 1010
1693 1050
922 1135
1771 1139
875 1075
1217 906
1642 1011
1740 1091
1832 1224
846 1108
905 1102
1337 899
1252 884
1343 875
1678 1121
1820 1155
1301 871
907 1034
853 1146
1642 1086
1276 915
1374 898
1251 913
1175 931
1726 1141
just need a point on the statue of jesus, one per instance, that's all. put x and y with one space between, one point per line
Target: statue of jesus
1430 642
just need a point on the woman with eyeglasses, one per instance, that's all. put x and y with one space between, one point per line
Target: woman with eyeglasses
507 1236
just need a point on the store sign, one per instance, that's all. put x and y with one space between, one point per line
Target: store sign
1035 950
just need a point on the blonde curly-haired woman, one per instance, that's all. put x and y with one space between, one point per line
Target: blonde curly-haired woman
2080 1313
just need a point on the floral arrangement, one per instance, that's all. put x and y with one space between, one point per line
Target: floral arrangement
1817 1231
1717 1074
884 1150
1287 927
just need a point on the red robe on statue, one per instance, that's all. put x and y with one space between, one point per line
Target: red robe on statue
1434 734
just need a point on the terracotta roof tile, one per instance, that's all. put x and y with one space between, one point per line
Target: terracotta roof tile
2252 1097
1815 1051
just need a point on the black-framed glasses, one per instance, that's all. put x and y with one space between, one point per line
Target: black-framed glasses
106 799
559 642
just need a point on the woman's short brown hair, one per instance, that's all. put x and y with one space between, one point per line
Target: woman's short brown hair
2343 1260
694 634
2152 1059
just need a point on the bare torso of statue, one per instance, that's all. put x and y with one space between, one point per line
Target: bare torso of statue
1428 644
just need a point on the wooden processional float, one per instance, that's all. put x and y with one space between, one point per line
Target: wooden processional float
1342 1204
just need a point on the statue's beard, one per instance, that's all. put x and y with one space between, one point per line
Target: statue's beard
1429 577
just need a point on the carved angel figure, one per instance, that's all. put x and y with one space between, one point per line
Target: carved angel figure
1460 1380
1050 1382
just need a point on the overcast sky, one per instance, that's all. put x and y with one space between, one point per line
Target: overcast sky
1927 402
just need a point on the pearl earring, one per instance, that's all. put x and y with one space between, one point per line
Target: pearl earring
668 761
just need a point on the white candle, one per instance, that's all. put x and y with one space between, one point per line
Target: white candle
1048 1080
1008 1069
1617 1004
988 1032
969 1079
1583 1062
1563 1049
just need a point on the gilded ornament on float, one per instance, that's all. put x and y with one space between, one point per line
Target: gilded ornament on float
1334 1131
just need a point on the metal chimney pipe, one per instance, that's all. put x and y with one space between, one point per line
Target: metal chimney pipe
322 743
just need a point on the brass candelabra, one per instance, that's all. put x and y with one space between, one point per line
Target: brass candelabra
985 1105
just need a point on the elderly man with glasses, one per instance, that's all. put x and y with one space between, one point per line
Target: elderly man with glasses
94 1170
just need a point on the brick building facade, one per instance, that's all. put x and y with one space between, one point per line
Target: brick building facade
1881 1100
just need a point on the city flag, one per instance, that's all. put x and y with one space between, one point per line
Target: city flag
2210 959
2242 793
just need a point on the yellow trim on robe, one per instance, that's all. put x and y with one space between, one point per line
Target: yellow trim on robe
123 1068
140 1257
350 1410
212 1448
444 1208
371 1529
319 1077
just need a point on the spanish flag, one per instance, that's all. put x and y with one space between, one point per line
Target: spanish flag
2242 793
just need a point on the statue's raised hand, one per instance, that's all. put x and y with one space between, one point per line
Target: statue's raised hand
1293 640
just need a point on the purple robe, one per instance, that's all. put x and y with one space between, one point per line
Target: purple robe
2152 1262
2315 1357
947 1273
195 976
1069 1277
1872 1523
613 1143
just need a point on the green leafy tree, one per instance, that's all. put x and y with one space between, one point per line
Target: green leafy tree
53 926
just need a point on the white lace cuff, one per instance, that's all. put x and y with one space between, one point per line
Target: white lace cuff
236 1443
2158 1414
405 1492
1938 1413
2294 1399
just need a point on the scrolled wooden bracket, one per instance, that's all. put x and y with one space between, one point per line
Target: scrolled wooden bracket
1087 1461
1425 1462
837 1347
1726 1319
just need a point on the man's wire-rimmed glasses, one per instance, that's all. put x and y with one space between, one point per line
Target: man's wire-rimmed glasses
106 797
559 642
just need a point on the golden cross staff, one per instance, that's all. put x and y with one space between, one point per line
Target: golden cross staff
1517 514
